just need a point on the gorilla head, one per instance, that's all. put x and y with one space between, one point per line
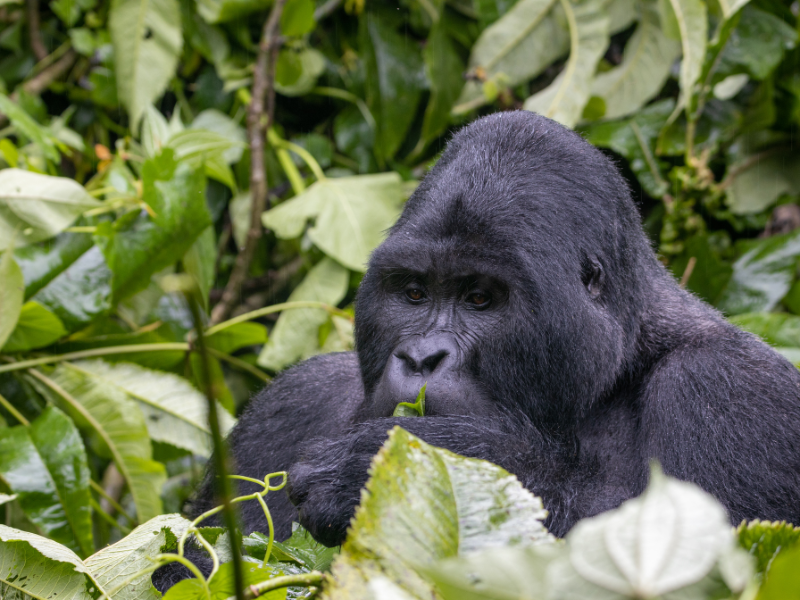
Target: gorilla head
509 280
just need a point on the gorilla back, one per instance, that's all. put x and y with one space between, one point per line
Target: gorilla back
519 284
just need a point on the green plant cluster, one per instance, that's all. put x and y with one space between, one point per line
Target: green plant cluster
128 131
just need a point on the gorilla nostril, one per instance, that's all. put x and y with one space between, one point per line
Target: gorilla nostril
430 363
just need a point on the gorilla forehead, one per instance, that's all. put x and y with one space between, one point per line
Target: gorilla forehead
514 180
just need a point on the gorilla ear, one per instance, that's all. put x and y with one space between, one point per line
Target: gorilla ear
593 276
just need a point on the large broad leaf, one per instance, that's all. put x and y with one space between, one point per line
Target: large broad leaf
635 139
516 48
79 293
45 465
175 412
42 263
668 539
687 19
37 327
38 206
12 291
761 183
176 194
645 66
218 11
424 504
33 567
147 43
762 275
114 565
784 577
395 81
119 426
296 334
352 214
565 98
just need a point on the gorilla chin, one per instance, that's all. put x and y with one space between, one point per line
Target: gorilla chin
519 284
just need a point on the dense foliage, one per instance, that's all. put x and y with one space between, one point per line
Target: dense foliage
189 190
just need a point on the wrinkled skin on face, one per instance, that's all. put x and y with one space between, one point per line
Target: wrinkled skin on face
519 285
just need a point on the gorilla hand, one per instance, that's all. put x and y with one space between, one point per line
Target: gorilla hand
325 484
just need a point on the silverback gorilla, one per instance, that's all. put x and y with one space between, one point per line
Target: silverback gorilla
519 284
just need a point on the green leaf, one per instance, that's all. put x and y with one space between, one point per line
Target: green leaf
37 327
730 7
300 548
221 124
645 67
175 412
219 11
12 290
199 262
395 80
710 273
176 193
351 215
42 263
196 145
564 99
46 466
424 504
518 47
295 335
119 424
776 329
496 574
765 540
28 127
297 18
147 40
222 584
297 70
668 539
635 139
40 206
444 69
783 581
79 293
415 409
757 185
33 567
762 275
238 336
689 17
115 564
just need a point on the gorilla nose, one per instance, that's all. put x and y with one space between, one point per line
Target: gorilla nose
422 356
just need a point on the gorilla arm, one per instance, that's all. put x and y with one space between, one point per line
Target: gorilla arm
325 485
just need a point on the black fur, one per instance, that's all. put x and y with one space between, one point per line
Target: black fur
588 362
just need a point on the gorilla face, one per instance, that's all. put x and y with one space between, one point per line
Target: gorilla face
495 288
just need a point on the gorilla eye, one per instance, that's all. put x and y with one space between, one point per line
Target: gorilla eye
479 299
415 294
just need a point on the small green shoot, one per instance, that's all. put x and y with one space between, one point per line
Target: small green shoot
406 409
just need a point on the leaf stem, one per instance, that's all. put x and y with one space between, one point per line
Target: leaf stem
268 310
14 412
108 351
312 579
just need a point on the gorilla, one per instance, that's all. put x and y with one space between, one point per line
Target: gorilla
519 285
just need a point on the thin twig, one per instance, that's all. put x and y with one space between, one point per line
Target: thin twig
259 119
326 9
39 50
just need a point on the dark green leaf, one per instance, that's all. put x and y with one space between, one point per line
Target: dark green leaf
37 327
395 81
199 262
176 193
81 292
27 126
238 336
222 584
762 275
300 548
709 273
46 466
444 68
297 71
41 263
